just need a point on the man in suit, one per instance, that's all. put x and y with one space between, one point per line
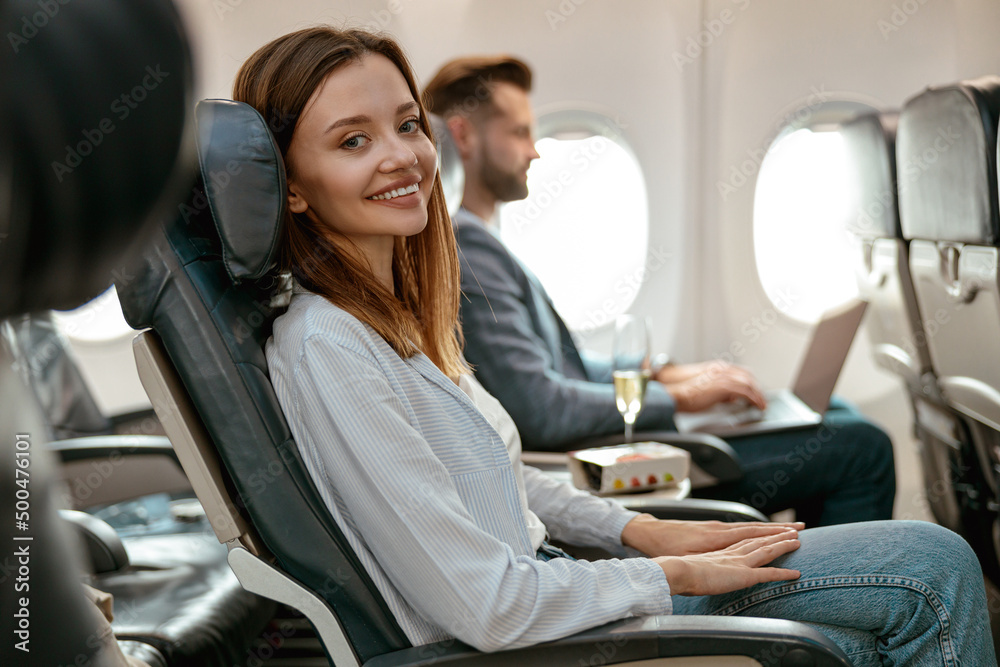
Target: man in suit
522 351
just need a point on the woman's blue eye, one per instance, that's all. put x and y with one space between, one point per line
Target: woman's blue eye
409 126
353 142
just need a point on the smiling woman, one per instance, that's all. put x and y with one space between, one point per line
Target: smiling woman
359 175
350 130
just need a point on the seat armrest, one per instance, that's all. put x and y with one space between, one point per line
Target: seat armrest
103 548
142 651
769 641
137 422
135 466
104 446
709 452
693 509
682 509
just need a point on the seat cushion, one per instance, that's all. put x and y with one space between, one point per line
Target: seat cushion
180 596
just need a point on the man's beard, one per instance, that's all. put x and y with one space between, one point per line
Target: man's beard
505 186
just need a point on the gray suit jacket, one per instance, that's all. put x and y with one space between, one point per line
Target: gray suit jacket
522 352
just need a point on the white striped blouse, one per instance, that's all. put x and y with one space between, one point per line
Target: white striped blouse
435 502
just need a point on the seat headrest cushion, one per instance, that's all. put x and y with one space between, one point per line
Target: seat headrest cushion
870 142
244 179
946 157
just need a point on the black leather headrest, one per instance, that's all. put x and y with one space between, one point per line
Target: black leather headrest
946 161
870 143
94 101
244 179
449 164
103 547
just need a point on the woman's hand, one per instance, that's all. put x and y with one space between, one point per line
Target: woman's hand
655 537
730 569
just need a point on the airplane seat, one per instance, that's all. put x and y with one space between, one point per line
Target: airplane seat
50 369
147 576
870 143
895 328
946 155
102 468
205 287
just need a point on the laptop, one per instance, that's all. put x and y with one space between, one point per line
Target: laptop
808 399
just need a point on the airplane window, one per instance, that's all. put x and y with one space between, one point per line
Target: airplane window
802 200
96 321
583 228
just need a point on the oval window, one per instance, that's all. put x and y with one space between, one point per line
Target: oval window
583 227
97 321
801 206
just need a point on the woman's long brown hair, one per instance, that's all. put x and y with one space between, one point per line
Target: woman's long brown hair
421 314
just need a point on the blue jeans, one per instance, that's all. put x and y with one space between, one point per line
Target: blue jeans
887 593
839 472
547 552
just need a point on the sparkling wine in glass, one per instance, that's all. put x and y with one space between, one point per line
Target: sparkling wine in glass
631 367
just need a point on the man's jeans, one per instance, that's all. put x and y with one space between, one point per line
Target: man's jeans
838 472
886 592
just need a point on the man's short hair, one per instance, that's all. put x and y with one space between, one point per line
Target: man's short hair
465 85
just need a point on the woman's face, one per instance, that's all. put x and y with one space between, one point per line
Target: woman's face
358 161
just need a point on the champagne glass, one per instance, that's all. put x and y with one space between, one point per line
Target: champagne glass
631 367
